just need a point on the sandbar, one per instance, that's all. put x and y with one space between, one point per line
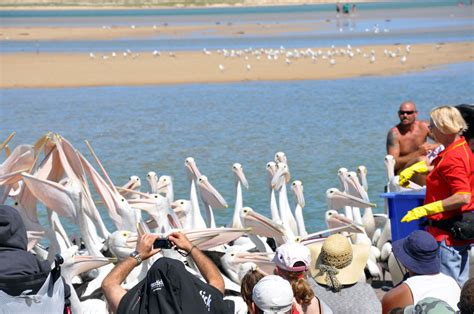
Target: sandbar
55 70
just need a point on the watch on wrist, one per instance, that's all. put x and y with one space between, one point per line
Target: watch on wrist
137 257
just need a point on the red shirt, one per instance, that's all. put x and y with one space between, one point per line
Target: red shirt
453 173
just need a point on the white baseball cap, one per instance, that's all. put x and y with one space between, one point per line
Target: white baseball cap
273 295
289 253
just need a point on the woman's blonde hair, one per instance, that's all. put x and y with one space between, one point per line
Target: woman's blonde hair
448 120
301 287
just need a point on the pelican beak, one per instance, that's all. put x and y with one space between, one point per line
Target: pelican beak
276 179
210 195
192 167
298 192
241 175
131 241
83 263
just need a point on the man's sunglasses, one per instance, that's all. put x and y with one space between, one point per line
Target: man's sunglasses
406 112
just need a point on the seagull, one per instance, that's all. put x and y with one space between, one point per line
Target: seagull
332 62
91 55
249 67
221 67
372 59
403 59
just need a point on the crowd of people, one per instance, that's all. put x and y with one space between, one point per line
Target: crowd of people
327 277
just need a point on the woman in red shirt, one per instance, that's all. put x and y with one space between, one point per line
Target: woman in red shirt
449 187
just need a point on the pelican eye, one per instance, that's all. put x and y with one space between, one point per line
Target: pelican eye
123 200
294 183
16 203
124 234
182 203
156 196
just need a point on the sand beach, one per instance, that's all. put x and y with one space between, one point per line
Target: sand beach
144 68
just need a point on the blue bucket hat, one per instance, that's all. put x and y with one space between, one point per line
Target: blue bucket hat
419 252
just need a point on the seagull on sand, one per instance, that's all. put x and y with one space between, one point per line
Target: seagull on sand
221 68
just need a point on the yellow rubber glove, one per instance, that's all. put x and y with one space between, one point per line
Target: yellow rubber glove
422 211
406 174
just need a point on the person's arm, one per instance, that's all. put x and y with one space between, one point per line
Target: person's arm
399 296
456 201
208 269
393 148
111 285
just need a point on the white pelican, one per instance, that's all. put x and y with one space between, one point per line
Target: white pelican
297 189
194 220
279 181
271 170
211 198
165 187
240 180
152 179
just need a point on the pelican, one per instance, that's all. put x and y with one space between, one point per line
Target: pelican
271 170
279 181
194 220
240 180
74 265
297 189
152 179
134 183
211 198
165 187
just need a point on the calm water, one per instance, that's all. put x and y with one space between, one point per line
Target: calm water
320 125
401 22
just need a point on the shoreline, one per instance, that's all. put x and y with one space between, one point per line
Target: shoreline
59 70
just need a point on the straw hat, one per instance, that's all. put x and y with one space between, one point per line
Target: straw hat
337 262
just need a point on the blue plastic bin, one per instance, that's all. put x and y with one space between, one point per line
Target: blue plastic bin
398 205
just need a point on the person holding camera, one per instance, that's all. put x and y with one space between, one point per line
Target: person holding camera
168 287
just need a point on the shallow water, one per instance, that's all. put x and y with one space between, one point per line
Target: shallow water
320 125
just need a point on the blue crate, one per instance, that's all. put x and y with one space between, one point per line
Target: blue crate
398 205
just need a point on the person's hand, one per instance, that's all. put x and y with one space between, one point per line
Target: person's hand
180 241
145 245
427 148
407 173
422 211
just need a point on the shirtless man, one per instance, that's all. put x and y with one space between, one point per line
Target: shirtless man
407 140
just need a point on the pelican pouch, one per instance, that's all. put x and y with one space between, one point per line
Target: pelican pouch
460 226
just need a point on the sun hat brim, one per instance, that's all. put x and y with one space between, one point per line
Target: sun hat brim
421 265
347 275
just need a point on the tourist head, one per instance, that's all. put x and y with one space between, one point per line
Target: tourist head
12 229
407 113
248 282
338 262
292 261
418 252
466 303
446 120
272 295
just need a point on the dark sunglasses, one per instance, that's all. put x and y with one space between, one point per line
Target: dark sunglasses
406 112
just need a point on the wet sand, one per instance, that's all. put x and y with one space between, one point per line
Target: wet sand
144 68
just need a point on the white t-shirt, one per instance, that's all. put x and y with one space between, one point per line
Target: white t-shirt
436 286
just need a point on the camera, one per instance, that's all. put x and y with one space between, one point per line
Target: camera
162 244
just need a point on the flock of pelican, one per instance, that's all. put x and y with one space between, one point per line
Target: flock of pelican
54 173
